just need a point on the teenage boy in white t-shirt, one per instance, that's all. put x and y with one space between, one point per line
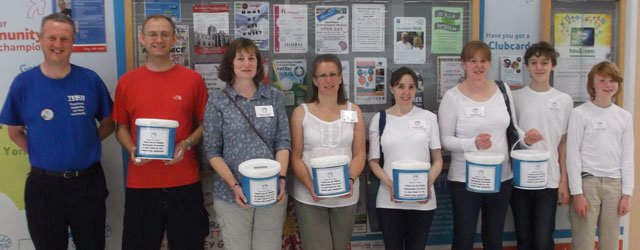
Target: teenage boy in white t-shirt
546 109
600 162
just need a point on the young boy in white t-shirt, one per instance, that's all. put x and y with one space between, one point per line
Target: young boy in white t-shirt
546 109
600 161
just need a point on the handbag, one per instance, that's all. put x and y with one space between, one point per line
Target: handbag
512 133
373 183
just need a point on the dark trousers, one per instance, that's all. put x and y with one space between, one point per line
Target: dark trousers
405 229
534 215
56 204
178 210
466 207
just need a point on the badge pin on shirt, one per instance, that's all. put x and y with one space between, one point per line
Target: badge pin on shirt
46 114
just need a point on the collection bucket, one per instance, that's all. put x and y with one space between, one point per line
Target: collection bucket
330 175
530 168
259 178
155 138
484 171
410 180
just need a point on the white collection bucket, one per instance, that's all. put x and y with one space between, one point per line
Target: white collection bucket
259 178
484 171
155 138
530 168
410 180
330 175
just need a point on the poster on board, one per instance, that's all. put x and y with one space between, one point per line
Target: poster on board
409 35
211 28
368 27
252 22
582 40
332 29
290 33
370 85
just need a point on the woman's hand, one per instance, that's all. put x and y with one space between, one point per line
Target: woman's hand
348 195
483 141
283 190
580 205
240 198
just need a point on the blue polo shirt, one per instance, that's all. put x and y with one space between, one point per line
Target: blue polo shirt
59 116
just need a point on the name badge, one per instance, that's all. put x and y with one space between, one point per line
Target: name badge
553 104
264 111
348 116
418 124
475 111
599 125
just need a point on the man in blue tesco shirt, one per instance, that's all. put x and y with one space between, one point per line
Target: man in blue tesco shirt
51 113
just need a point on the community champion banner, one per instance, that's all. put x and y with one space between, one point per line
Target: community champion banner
20 48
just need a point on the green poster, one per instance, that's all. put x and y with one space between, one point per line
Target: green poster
446 30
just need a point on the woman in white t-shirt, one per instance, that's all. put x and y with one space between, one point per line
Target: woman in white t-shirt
410 133
327 125
473 117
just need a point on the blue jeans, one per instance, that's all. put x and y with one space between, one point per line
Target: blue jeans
534 215
466 208
405 229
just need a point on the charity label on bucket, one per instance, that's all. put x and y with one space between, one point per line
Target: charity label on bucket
259 179
484 171
155 138
530 168
330 175
410 180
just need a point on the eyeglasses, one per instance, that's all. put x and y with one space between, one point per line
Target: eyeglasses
327 76
155 35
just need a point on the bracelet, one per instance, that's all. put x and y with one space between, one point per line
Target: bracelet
237 184
352 179
188 143
282 177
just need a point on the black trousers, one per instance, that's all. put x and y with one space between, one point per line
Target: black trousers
178 210
534 215
405 229
56 204
466 208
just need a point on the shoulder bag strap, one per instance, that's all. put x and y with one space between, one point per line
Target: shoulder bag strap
246 118
381 124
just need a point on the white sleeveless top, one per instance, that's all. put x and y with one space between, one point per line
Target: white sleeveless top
322 138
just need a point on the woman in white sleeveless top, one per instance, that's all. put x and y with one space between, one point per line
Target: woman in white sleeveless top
327 125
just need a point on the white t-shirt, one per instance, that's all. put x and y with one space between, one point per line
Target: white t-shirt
404 139
322 138
600 142
461 119
548 112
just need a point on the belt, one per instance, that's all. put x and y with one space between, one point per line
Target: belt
67 174
585 174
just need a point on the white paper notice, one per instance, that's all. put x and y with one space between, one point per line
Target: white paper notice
346 75
368 27
409 35
153 141
412 185
482 178
330 181
290 33
209 72
332 29
533 174
449 74
263 192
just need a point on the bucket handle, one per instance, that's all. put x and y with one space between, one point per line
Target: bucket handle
525 144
